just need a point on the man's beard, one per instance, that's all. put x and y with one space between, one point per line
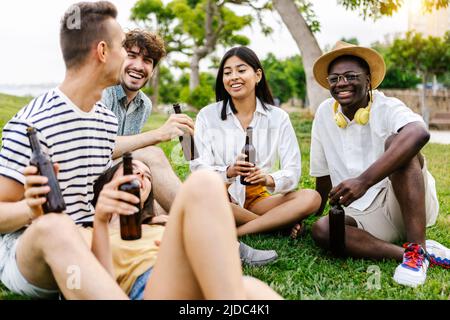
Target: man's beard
133 88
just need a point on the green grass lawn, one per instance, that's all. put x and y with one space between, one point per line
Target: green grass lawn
303 271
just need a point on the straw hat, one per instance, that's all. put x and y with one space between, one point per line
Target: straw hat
341 48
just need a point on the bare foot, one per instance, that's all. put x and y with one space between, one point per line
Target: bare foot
297 230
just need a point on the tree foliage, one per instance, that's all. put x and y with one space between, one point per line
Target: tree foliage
202 95
375 8
426 56
156 16
286 77
396 76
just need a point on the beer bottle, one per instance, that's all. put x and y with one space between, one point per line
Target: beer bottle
54 199
336 218
130 225
249 151
186 140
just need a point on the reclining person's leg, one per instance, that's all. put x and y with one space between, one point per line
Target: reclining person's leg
198 257
51 253
257 290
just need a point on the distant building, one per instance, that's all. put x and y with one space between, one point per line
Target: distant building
433 24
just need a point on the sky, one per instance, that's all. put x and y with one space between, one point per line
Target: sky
29 29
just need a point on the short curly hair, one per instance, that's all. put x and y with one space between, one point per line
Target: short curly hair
149 43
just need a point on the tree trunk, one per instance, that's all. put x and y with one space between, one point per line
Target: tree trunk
194 79
308 46
154 83
423 105
209 44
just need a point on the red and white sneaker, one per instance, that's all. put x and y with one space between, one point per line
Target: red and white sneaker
413 270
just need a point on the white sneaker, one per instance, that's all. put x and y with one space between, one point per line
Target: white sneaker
438 254
413 270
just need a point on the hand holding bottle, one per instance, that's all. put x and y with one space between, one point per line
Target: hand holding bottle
177 125
113 201
36 189
240 167
260 177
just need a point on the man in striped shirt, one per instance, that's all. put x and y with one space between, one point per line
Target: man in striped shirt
38 254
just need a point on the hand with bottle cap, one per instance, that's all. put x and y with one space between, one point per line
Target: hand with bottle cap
35 190
177 125
348 191
240 167
113 201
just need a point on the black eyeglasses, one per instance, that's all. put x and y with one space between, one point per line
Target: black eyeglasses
348 77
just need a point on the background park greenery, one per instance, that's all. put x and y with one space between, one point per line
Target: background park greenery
195 30
303 271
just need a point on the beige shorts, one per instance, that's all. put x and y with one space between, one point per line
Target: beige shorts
383 218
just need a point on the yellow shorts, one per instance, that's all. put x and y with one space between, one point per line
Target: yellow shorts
253 194
130 258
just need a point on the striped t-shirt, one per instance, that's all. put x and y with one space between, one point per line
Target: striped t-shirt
80 142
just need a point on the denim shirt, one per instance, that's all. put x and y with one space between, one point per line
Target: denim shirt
132 119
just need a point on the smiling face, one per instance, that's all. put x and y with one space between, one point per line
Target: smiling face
144 178
239 78
137 69
353 93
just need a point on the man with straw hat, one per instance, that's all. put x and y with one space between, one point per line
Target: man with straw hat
365 155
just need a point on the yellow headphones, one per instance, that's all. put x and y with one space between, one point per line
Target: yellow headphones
361 116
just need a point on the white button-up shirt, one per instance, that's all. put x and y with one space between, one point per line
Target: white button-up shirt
346 153
219 142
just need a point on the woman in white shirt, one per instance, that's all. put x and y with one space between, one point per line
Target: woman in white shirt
244 100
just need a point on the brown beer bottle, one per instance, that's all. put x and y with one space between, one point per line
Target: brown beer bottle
186 140
130 225
336 218
55 201
250 152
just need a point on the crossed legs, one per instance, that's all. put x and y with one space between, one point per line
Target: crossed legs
276 211
409 189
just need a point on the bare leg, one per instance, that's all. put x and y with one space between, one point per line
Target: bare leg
409 190
242 215
279 211
50 248
198 257
257 290
166 183
358 243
